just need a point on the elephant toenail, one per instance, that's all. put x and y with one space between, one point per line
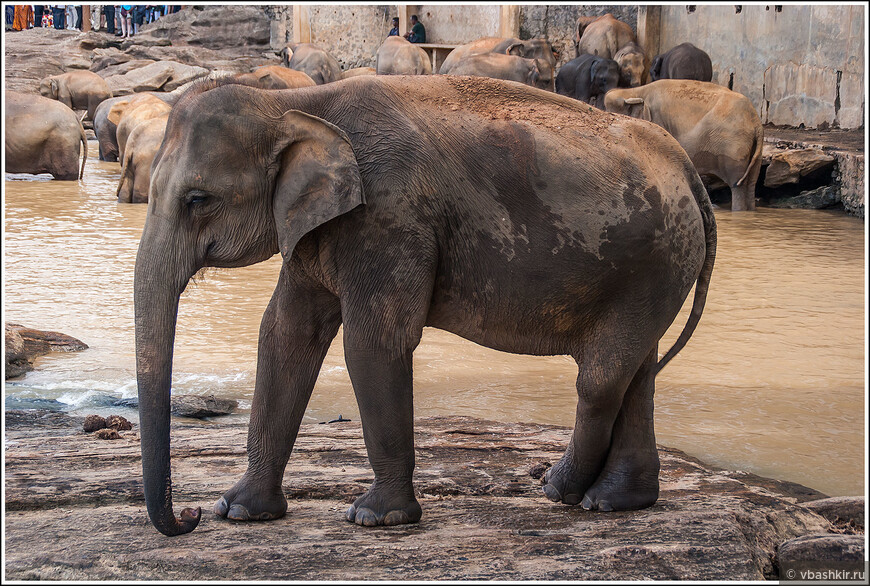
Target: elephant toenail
552 493
396 518
571 499
605 506
350 515
221 507
587 503
238 513
366 518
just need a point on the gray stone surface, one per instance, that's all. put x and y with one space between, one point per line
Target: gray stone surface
74 511
843 510
822 547
158 76
789 166
24 344
199 407
820 198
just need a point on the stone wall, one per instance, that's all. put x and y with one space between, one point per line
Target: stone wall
456 25
802 65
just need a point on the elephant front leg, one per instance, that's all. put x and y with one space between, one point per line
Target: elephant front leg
297 328
382 382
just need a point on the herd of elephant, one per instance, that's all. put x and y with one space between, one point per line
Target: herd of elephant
517 218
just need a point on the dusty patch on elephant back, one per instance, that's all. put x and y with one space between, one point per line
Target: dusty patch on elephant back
498 100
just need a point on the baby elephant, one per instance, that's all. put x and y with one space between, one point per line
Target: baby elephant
533 72
142 146
42 136
79 90
587 78
719 129
276 77
684 61
398 56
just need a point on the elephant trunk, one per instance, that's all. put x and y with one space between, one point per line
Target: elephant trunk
157 288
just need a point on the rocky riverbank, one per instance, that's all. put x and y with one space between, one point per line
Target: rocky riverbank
75 511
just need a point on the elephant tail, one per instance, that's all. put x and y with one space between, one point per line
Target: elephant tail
702 285
84 150
756 153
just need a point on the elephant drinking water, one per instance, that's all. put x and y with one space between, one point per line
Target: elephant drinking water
526 223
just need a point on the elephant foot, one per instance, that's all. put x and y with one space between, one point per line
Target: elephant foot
631 483
563 483
250 501
380 506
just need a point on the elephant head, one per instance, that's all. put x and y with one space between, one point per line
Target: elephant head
49 88
634 106
237 178
541 75
603 76
632 65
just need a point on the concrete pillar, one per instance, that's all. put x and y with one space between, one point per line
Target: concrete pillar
509 21
301 26
404 16
86 18
649 29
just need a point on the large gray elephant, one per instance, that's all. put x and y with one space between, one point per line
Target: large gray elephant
312 60
142 146
719 128
605 36
43 136
534 72
79 90
528 224
685 61
398 56
588 78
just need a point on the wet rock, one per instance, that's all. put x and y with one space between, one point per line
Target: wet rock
789 166
484 518
158 76
131 402
107 434
826 196
94 423
199 407
118 423
24 344
28 403
843 509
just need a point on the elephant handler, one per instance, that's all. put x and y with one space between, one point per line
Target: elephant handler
417 34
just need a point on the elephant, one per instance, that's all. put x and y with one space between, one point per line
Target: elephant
311 59
579 27
605 36
719 129
685 61
530 49
78 90
358 71
533 230
42 136
398 56
633 65
105 130
276 77
587 78
534 72
142 146
127 114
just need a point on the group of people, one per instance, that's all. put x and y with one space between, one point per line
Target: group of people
121 21
417 34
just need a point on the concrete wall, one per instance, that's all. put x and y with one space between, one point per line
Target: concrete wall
456 25
803 65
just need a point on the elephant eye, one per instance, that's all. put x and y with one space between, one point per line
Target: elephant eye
196 197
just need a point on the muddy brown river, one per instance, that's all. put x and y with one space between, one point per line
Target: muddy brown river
772 382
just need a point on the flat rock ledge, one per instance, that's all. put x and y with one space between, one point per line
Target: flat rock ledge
75 511
24 345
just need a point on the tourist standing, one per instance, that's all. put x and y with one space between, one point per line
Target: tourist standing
58 15
126 21
38 11
23 19
109 11
138 17
70 17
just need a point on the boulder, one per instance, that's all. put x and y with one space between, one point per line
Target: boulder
24 344
789 166
159 76
820 552
213 27
125 67
199 407
839 510
826 196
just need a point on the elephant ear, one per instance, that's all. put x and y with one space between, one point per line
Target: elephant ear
117 111
517 49
55 88
318 177
654 69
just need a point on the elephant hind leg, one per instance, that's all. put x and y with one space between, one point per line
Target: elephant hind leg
630 478
602 382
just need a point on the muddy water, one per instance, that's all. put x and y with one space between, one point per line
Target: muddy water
771 382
